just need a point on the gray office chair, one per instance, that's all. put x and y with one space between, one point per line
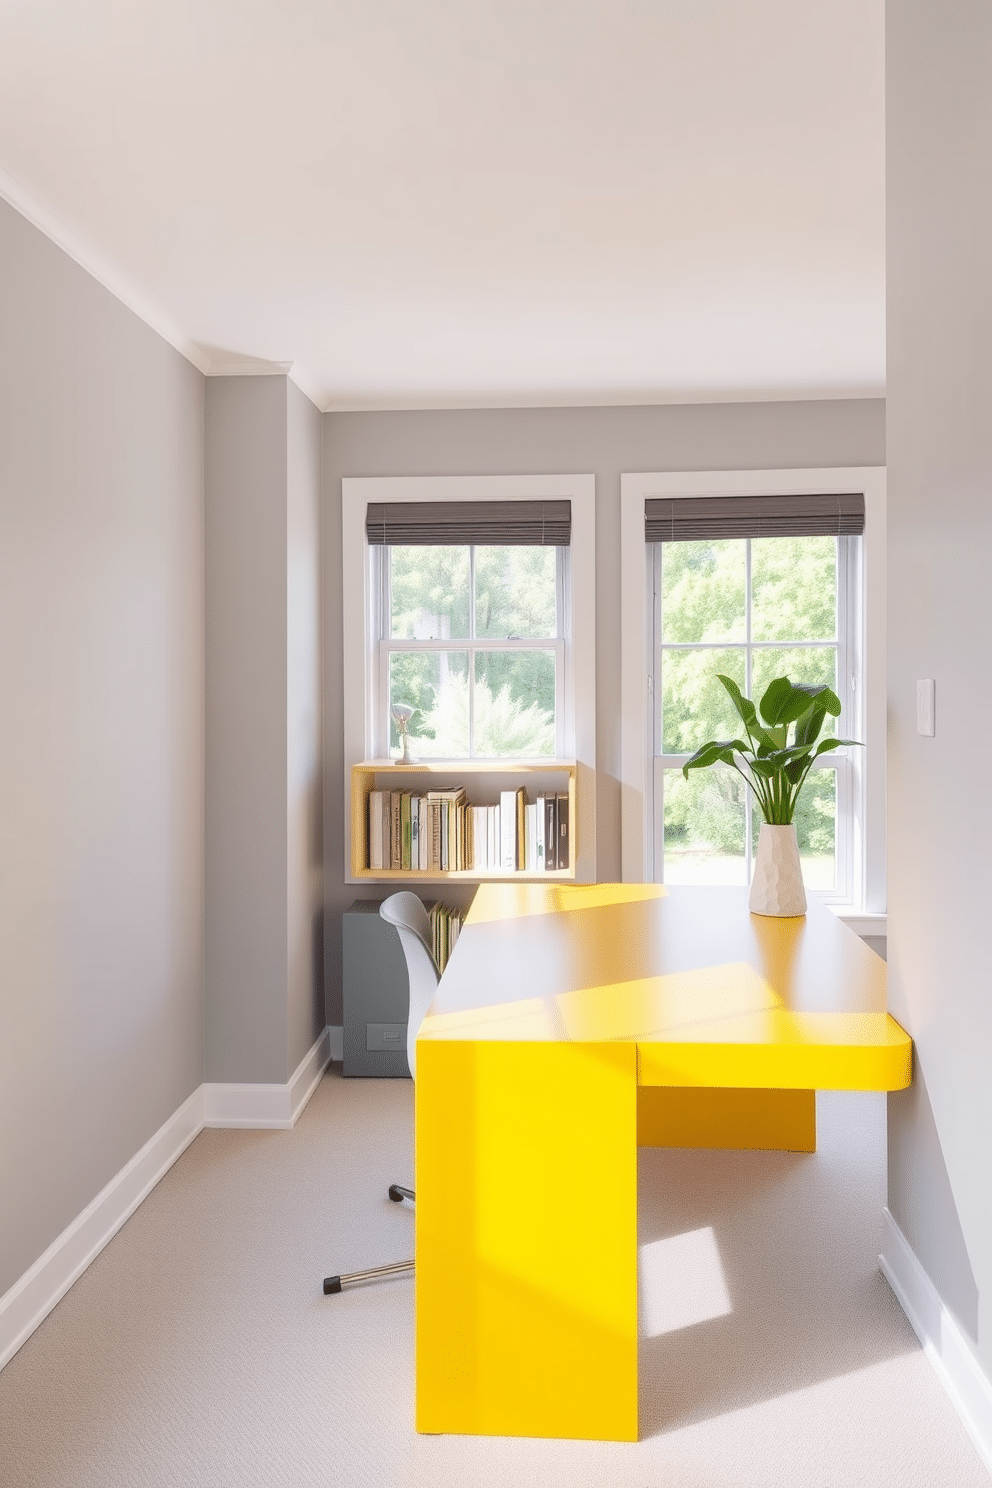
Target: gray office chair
405 911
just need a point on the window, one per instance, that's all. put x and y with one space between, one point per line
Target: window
702 602
472 638
471 625
752 609
491 638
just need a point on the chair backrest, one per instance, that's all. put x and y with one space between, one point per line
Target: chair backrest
407 913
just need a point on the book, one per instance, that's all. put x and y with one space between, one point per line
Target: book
406 830
530 837
564 845
375 829
521 830
550 833
539 835
396 833
508 831
424 833
415 832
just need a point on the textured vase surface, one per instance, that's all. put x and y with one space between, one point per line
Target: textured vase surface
777 885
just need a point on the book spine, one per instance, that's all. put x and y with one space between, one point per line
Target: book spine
521 830
406 830
434 856
550 833
564 831
375 829
539 835
415 832
422 813
396 835
508 831
530 838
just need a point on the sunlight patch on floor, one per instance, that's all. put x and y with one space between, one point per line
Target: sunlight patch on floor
680 1282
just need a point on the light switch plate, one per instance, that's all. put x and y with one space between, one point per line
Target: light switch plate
925 706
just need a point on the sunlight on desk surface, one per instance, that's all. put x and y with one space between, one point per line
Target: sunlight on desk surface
709 992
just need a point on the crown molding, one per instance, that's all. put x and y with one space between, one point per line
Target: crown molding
99 269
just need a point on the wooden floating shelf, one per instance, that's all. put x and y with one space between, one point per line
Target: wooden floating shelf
392 774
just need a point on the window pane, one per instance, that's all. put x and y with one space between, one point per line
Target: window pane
695 706
800 664
702 591
515 703
793 588
515 592
435 683
704 827
816 828
428 593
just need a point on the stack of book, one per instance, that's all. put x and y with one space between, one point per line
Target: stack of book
445 925
440 832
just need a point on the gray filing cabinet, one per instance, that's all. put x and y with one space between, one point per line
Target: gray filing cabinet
375 993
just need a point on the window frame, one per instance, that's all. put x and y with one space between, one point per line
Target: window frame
361 597
865 894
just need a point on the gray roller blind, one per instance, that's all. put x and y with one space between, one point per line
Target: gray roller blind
546 524
707 518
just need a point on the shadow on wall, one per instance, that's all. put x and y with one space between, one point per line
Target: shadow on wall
921 1200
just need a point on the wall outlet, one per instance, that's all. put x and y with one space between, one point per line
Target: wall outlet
925 707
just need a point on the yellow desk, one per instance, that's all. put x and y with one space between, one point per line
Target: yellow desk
571 1024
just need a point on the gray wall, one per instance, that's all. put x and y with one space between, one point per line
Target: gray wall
101 734
604 441
939 133
264 1001
304 778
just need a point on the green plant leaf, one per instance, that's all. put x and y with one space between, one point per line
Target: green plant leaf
709 754
744 705
774 699
785 702
823 696
749 715
796 751
809 725
826 744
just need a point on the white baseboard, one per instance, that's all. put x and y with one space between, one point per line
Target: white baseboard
33 1295
267 1107
943 1342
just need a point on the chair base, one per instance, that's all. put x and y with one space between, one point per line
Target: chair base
335 1284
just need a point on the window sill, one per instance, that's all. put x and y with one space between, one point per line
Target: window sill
861 923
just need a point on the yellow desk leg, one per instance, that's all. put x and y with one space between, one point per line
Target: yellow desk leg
696 1116
526 1241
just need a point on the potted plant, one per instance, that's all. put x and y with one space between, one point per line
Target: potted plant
775 771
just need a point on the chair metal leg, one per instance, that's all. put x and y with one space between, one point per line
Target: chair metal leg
335 1284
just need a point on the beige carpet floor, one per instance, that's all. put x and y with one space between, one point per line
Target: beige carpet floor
198 1348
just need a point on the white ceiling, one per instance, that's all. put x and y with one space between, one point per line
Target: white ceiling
442 203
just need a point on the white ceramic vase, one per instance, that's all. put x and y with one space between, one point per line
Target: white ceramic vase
777 884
